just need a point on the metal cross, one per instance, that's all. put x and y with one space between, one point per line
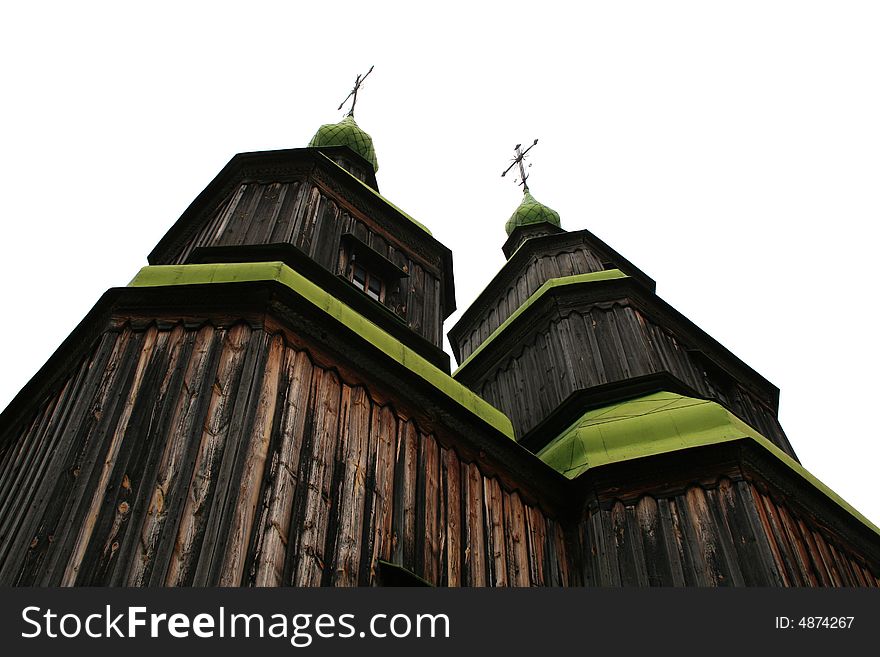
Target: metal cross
353 94
520 156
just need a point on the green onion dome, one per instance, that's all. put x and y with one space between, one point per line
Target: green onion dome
531 212
346 133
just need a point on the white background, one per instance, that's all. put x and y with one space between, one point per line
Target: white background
731 150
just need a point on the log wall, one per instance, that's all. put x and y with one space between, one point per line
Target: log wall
727 534
228 455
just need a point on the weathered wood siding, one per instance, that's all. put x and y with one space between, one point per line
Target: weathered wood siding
181 455
302 214
574 259
597 344
727 534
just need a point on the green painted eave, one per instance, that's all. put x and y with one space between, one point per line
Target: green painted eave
660 423
377 195
605 275
163 275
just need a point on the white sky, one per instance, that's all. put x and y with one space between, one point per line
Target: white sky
730 150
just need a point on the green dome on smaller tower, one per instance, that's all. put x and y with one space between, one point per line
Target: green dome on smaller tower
531 212
346 133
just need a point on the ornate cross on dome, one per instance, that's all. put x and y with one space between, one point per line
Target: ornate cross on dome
520 156
353 94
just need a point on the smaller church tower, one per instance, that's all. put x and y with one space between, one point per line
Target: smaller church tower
674 442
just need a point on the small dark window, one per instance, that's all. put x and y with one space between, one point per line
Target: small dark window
372 273
367 281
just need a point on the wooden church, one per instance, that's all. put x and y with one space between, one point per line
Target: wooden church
268 404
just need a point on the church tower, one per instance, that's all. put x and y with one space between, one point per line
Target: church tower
268 403
674 444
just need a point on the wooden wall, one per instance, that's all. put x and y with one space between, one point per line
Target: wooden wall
228 455
233 455
302 214
595 344
572 259
727 534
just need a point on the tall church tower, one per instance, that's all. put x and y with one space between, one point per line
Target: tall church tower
267 403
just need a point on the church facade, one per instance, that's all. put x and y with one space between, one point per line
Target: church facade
268 403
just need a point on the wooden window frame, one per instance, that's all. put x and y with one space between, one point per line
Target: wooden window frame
366 282
355 256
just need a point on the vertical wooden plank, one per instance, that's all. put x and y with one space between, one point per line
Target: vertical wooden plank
631 569
251 476
746 500
269 562
171 466
453 518
671 542
227 477
325 248
494 510
802 557
138 462
516 540
223 221
647 514
765 529
351 498
827 559
705 536
310 216
599 550
774 530
843 565
86 435
556 553
260 225
724 536
430 466
25 504
737 530
474 537
692 566
820 568
235 227
100 483
26 456
406 475
536 539
381 546
201 486
331 407
290 199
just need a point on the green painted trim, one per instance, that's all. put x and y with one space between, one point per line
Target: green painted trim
161 275
605 275
378 195
660 423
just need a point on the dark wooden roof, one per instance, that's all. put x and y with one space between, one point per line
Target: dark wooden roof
563 298
518 266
